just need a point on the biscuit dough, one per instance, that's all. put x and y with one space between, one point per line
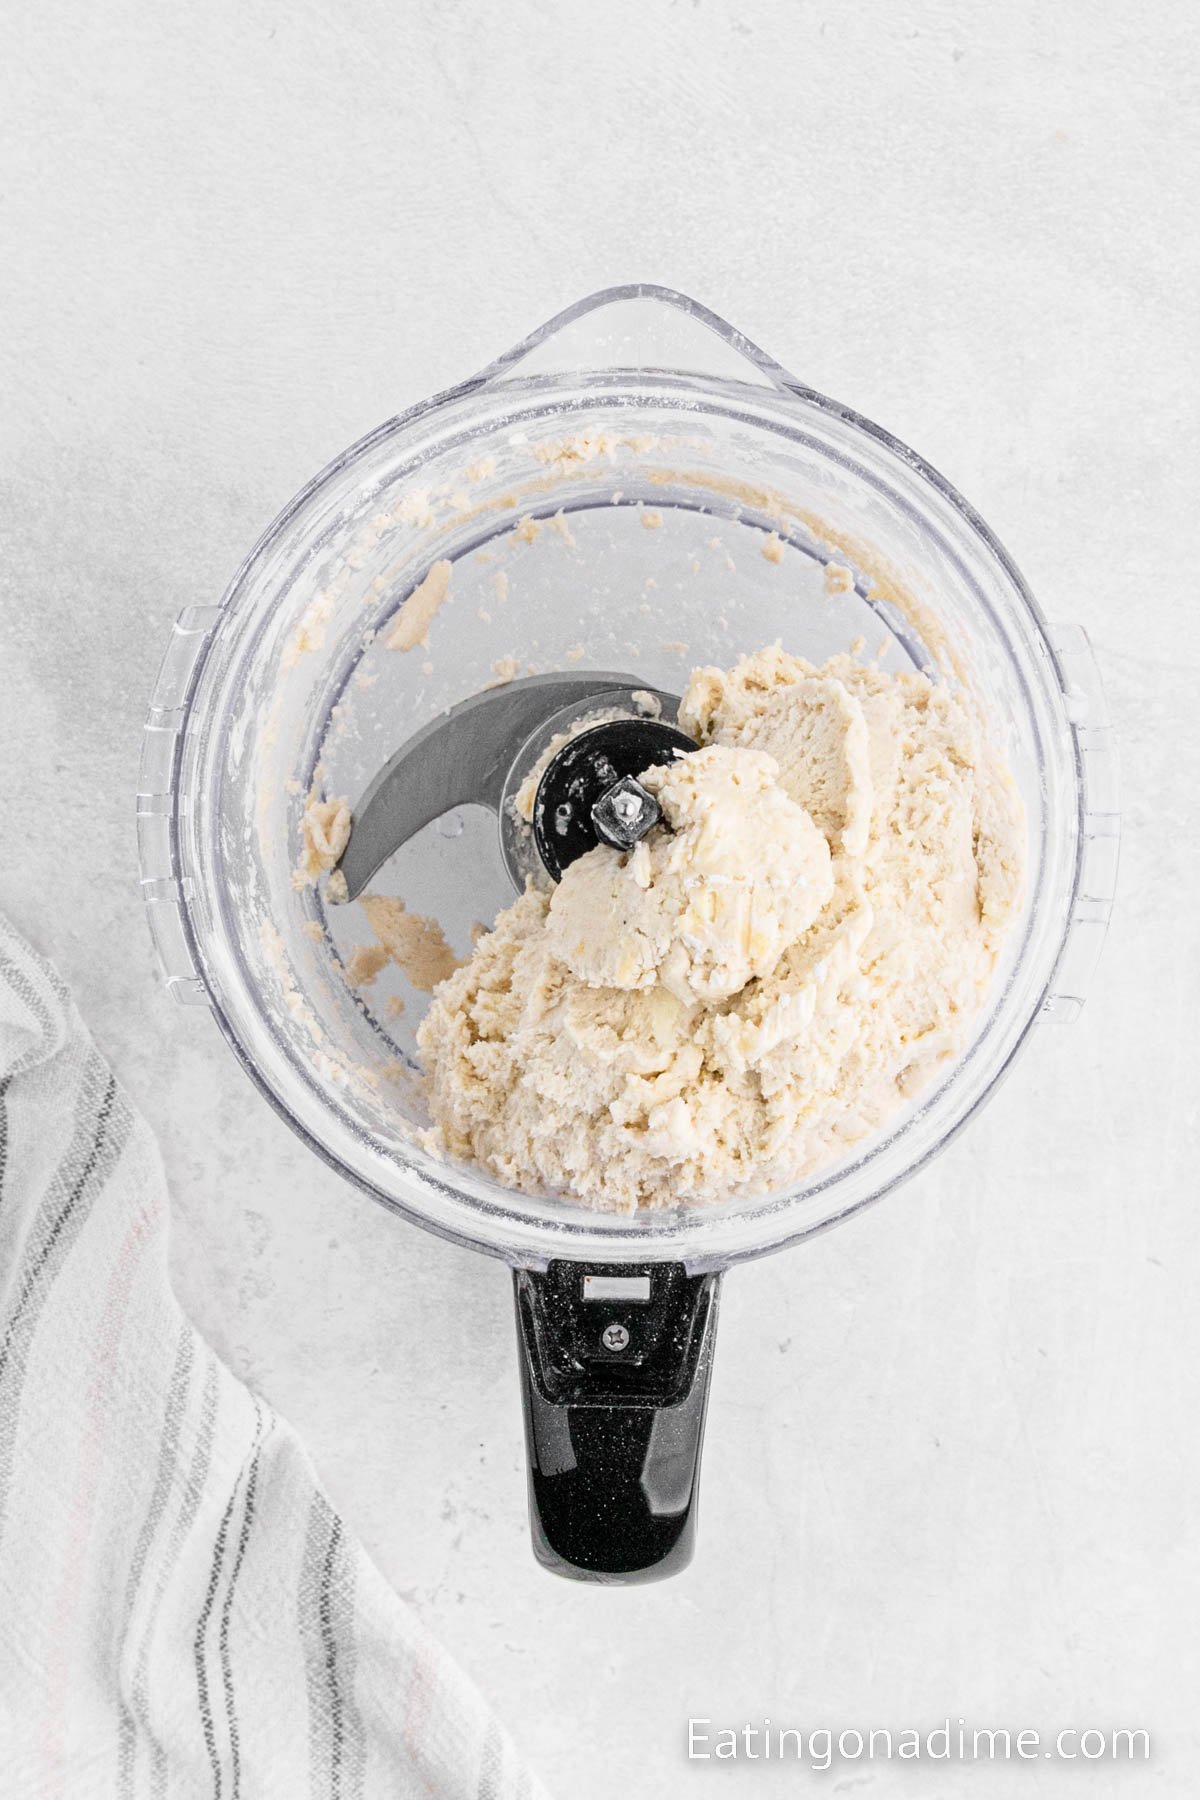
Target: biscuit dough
325 829
416 944
769 976
696 909
416 616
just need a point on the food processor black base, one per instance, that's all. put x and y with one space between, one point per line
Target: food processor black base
615 1364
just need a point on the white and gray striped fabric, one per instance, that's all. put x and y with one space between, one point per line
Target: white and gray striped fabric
182 1613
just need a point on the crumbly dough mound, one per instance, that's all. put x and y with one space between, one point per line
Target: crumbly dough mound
768 977
696 908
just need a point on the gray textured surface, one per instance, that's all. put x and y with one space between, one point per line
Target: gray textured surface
952 1455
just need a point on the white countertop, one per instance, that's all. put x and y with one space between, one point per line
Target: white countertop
951 1464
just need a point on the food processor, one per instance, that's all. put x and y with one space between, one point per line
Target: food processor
633 490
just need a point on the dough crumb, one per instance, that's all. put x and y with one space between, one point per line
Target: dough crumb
504 670
651 521
326 832
773 547
528 530
310 632
313 930
501 585
394 1006
838 578
414 509
559 524
364 963
416 944
582 447
418 612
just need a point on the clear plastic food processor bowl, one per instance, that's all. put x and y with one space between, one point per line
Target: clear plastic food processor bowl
604 494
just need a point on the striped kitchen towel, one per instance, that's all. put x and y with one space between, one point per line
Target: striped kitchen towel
182 1613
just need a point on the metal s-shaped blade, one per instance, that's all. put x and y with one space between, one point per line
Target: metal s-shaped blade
462 758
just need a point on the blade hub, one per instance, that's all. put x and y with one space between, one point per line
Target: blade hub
625 813
590 793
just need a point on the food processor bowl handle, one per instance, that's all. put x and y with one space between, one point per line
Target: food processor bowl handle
615 1362
639 325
